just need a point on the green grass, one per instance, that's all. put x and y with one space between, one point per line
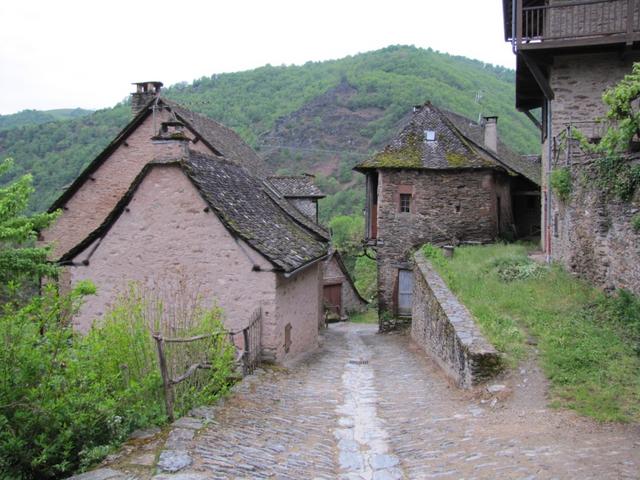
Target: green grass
589 343
370 315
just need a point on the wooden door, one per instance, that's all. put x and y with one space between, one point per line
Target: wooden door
405 292
333 298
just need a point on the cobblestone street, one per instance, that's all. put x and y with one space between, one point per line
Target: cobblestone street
369 406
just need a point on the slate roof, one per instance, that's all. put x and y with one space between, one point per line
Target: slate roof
222 140
458 145
296 186
245 206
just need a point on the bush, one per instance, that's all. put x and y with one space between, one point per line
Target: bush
509 269
561 183
67 400
635 223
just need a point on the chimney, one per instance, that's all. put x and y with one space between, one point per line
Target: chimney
145 92
490 125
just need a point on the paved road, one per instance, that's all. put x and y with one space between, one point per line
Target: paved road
369 406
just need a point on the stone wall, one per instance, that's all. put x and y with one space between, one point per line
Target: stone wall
447 206
444 328
299 304
590 235
93 201
148 244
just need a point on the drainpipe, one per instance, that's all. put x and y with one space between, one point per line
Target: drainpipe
548 174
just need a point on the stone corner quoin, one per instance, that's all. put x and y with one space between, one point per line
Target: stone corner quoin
445 329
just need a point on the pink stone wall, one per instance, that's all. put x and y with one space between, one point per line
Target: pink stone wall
298 302
166 231
86 210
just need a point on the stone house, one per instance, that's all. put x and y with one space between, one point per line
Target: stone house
443 179
176 193
568 53
341 297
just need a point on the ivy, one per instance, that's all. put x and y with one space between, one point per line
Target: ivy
561 183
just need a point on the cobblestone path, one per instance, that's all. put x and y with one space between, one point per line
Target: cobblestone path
369 406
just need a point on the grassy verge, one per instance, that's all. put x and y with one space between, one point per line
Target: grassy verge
370 315
589 343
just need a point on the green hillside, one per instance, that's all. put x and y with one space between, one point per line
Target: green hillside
298 117
37 117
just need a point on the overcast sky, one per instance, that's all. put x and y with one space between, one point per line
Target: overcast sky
67 53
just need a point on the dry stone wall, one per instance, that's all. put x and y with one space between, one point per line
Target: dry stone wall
444 328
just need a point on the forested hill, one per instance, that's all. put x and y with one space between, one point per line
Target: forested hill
37 117
320 117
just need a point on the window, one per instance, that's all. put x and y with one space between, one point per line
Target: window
405 202
429 136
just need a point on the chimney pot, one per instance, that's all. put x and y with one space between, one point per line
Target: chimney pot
490 127
145 92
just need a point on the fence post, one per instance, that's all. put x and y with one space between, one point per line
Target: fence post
166 381
246 357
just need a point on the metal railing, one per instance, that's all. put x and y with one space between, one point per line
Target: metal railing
247 356
591 21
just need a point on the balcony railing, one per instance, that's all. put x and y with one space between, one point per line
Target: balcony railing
576 23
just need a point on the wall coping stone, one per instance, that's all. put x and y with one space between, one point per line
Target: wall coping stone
477 357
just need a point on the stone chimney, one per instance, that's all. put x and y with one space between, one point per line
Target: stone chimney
490 127
145 92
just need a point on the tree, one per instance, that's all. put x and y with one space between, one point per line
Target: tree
20 258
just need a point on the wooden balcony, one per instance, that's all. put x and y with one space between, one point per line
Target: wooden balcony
572 23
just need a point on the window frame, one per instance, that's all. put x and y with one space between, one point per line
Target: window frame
404 201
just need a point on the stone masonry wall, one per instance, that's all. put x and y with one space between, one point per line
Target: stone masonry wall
446 331
90 205
299 303
166 235
591 236
447 206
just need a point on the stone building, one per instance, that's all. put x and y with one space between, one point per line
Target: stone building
443 179
300 191
568 54
176 193
341 297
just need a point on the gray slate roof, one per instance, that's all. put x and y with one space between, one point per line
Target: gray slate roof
222 139
296 186
249 209
458 145
243 203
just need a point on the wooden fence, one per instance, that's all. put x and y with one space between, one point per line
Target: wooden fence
247 356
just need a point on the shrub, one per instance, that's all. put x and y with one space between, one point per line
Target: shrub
561 183
431 251
66 400
509 269
635 223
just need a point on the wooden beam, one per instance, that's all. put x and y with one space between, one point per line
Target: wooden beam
533 119
538 76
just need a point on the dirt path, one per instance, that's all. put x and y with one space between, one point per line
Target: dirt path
369 406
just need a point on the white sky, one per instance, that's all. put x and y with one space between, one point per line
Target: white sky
68 53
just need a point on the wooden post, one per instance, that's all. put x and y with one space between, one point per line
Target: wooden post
518 22
245 357
166 381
